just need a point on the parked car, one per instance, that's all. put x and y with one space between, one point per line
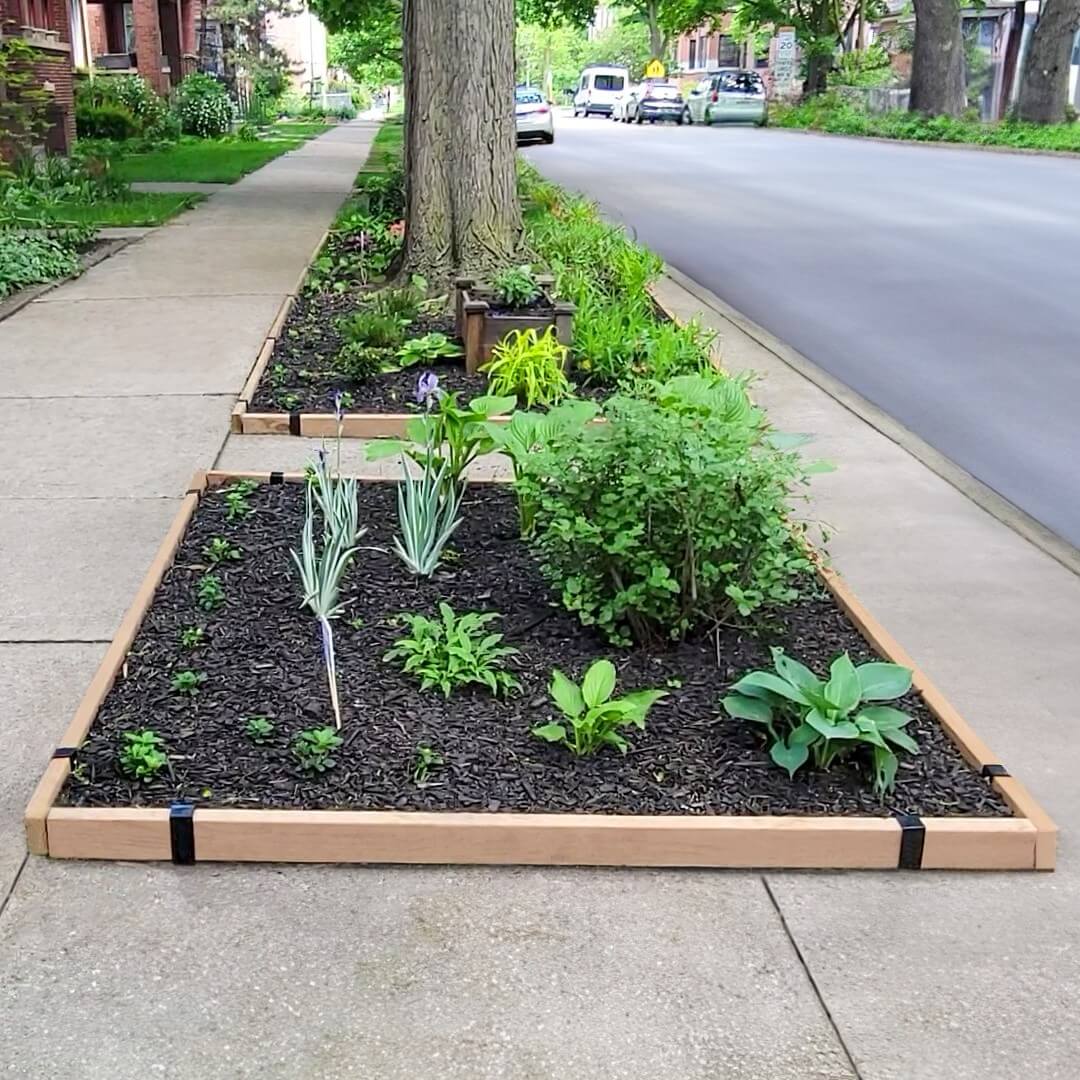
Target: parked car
598 88
534 115
655 99
622 103
728 96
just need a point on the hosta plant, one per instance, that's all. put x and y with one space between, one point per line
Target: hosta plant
426 349
530 366
592 717
516 287
808 717
454 651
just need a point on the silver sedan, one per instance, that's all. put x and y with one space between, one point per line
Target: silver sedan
729 96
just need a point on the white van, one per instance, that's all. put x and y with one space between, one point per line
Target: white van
598 88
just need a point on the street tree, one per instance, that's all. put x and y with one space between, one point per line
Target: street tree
461 201
937 64
1044 83
371 52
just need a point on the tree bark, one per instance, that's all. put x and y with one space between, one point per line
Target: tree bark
462 210
1044 85
1012 57
657 44
937 68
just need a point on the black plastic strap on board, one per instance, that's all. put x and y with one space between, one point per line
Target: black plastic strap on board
994 770
277 478
912 838
65 751
294 423
182 833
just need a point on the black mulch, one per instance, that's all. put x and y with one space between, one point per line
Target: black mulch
300 376
263 658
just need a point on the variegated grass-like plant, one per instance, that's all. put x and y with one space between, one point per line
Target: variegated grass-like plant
428 513
322 566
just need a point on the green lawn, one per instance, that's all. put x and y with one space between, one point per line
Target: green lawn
202 160
142 208
388 146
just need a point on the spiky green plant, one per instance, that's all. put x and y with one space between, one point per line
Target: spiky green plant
428 513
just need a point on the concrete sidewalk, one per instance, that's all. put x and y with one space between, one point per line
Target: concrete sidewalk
119 971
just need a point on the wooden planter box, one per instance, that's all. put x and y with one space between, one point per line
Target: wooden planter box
1025 841
481 329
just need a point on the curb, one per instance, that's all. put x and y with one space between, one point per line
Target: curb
979 493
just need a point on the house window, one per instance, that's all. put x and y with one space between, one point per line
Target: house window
727 52
35 14
692 64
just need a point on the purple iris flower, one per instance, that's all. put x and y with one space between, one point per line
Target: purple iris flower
322 458
338 410
427 387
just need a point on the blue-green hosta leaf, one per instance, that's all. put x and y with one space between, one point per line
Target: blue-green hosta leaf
804 735
599 683
640 702
843 729
868 732
843 688
616 740
378 449
550 732
490 405
795 673
900 738
741 707
766 680
791 758
566 694
883 682
884 717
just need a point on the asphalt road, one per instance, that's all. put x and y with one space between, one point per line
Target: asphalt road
941 284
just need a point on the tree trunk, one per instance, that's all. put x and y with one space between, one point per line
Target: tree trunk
1012 56
656 35
460 143
817 75
937 68
1044 85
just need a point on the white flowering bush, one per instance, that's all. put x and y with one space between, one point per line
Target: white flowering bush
203 107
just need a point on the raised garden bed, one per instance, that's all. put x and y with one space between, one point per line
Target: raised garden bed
696 789
482 323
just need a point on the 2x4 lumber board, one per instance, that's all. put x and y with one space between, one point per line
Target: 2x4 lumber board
279 319
256 373
130 833
1024 805
979 844
56 773
956 727
544 839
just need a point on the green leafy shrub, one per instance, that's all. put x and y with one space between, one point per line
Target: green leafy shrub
359 362
516 287
131 93
141 754
530 367
203 106
454 652
806 716
33 257
593 715
402 303
665 519
105 122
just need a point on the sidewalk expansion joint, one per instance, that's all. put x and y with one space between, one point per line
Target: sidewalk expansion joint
810 978
10 891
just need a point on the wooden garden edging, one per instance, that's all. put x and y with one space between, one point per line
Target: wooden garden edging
1025 841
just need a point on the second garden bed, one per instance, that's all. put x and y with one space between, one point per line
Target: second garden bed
696 787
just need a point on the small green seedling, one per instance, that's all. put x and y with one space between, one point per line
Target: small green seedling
426 760
236 495
314 749
141 755
288 401
78 773
356 623
187 682
191 637
279 373
259 730
220 550
209 592
593 715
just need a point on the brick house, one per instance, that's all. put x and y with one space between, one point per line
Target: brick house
47 25
156 39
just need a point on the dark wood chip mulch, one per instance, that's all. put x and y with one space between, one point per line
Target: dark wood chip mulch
262 657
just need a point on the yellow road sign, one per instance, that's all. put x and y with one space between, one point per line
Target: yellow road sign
654 70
